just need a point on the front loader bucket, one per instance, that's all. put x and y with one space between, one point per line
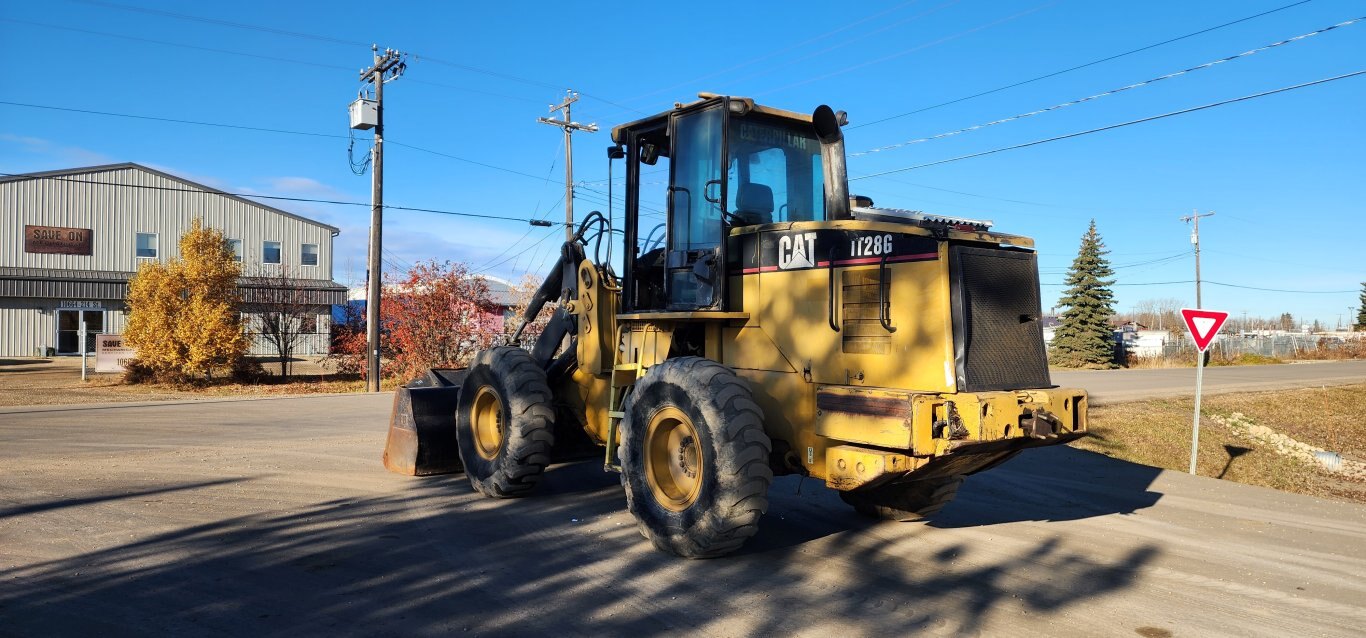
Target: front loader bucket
422 426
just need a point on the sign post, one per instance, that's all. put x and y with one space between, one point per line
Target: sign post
81 334
1203 325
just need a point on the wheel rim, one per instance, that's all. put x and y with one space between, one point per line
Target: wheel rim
673 459
486 422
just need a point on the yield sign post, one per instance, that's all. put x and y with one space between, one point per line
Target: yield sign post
1203 325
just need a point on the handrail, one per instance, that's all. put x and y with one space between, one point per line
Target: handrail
884 302
834 322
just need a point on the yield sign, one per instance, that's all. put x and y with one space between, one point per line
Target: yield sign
1203 325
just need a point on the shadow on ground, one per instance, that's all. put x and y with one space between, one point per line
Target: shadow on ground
433 558
1057 483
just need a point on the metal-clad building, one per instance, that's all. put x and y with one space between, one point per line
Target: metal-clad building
70 240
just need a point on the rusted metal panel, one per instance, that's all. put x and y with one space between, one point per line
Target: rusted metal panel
865 415
864 403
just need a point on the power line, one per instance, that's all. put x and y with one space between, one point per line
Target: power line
267 130
1216 283
1081 66
356 166
540 196
173 120
1113 126
847 68
862 36
470 161
258 56
1264 258
1307 292
1160 260
177 44
210 191
1097 96
329 39
494 264
226 23
999 199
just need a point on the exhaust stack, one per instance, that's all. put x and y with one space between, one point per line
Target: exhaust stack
828 123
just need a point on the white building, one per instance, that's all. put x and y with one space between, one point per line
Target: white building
70 240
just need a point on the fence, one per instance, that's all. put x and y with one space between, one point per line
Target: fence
1287 346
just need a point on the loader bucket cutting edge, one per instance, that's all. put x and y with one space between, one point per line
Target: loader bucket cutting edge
421 439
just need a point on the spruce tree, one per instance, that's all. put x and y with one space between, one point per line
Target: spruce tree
1084 338
1361 309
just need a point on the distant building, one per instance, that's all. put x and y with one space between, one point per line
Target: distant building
500 294
71 239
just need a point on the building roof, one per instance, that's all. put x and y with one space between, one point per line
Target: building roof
105 284
195 185
500 292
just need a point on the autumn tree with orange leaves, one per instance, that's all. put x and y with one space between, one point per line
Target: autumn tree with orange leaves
182 315
437 315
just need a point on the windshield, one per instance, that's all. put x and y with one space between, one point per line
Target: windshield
774 171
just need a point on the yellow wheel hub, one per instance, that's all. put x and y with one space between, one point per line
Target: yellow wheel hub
486 422
673 459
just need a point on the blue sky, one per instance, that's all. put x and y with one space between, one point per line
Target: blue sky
1284 173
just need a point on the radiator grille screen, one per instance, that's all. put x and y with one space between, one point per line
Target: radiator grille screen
997 320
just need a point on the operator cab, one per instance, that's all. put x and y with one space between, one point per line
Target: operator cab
696 172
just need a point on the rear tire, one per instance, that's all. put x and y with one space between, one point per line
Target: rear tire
694 458
909 501
504 422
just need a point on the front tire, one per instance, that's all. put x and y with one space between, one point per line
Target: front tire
694 458
504 422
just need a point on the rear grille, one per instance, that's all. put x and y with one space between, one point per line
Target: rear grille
998 333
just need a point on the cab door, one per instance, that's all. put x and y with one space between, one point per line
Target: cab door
694 262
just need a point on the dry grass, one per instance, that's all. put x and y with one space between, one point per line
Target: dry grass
58 382
1350 349
1188 361
1158 433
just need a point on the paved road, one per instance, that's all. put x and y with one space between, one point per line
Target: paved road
1109 386
275 518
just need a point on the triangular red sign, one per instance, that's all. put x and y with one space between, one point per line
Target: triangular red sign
1203 325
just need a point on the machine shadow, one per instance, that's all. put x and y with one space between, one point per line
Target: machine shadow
33 508
434 558
1057 483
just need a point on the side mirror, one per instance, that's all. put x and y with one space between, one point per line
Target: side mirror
615 152
649 154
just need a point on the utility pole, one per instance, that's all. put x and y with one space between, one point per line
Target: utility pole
1195 240
569 126
389 64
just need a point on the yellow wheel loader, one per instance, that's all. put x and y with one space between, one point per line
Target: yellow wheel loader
756 321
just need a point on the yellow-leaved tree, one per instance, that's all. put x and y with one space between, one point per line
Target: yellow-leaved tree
182 315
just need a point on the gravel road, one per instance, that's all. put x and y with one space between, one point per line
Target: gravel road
1109 386
275 518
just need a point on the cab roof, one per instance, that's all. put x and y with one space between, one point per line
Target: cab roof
660 119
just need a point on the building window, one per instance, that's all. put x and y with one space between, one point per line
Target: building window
270 252
309 255
147 245
235 245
